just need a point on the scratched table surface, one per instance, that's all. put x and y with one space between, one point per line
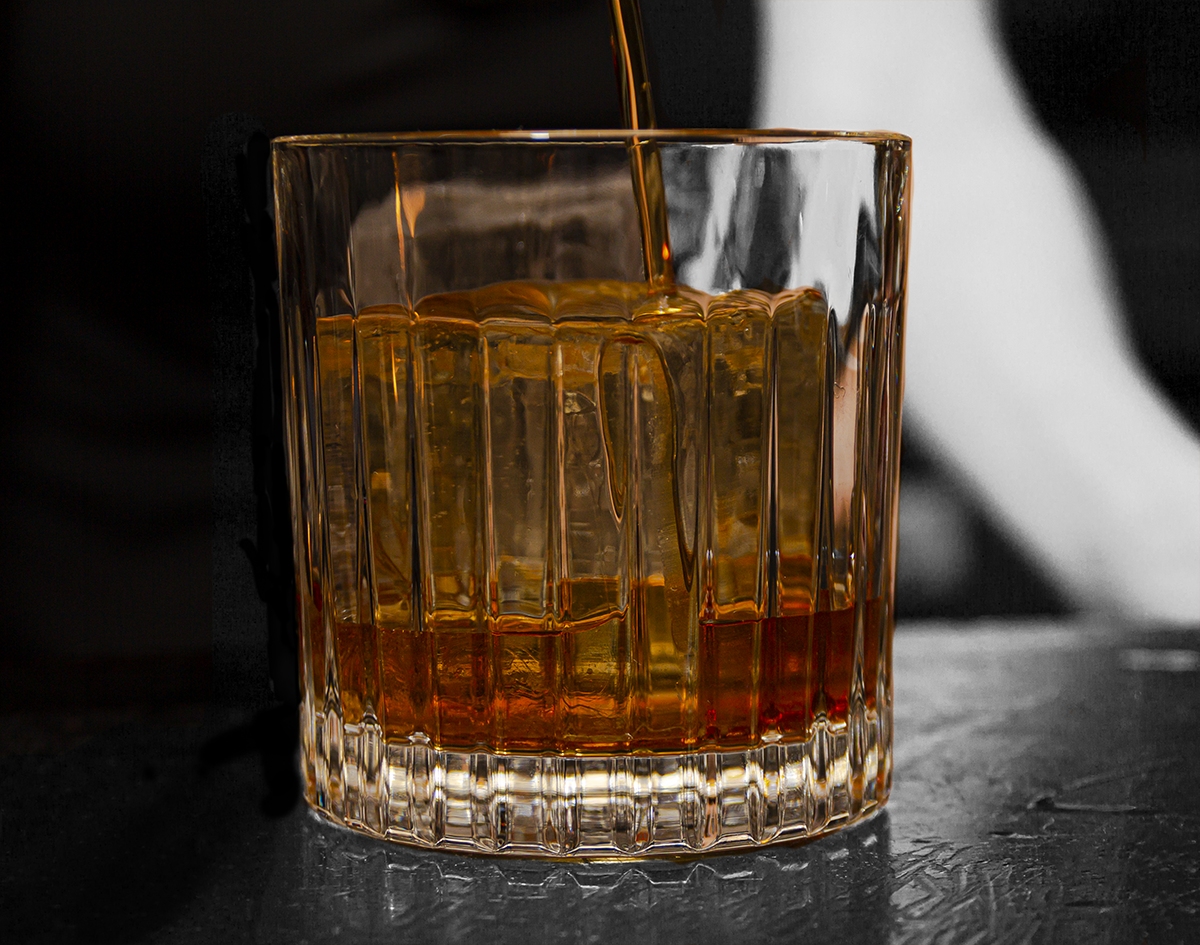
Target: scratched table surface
1044 792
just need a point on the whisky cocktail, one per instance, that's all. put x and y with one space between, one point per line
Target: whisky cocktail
591 563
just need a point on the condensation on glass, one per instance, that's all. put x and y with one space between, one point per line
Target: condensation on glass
586 568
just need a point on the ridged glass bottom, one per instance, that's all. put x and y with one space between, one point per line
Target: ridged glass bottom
607 806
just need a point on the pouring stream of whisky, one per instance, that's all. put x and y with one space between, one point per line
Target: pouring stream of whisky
645 162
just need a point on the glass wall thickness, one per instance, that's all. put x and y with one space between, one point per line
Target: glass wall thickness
587 568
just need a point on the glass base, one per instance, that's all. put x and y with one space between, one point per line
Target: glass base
597 806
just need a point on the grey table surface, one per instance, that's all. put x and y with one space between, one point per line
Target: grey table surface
1045 791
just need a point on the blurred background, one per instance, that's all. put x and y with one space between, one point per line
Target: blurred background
125 273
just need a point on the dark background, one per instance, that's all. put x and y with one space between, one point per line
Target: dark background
126 255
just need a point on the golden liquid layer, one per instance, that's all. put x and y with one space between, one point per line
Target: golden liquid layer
586 518
619 685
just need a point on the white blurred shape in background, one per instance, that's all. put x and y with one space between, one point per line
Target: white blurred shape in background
1019 371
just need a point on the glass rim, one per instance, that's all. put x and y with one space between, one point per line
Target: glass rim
611 136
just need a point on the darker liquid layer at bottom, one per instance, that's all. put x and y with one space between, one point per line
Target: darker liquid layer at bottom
602 690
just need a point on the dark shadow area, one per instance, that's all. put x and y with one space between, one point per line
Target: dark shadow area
122 832
274 735
1117 83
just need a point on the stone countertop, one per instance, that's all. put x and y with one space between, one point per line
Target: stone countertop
1044 791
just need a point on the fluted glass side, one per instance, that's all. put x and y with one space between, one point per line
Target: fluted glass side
586 568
